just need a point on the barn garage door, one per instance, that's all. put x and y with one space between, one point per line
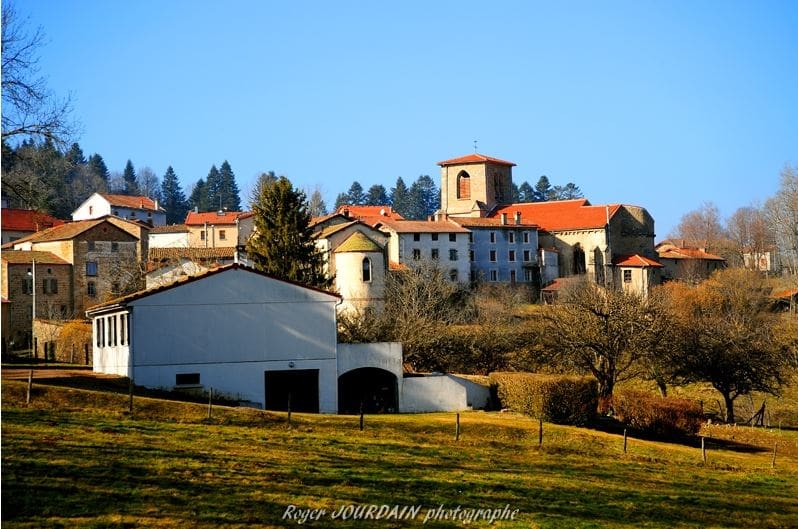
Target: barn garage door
301 384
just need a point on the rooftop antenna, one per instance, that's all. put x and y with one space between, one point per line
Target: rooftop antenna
475 145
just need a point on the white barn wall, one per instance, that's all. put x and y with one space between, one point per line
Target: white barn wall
431 393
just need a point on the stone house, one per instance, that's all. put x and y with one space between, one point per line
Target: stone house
686 263
53 286
133 208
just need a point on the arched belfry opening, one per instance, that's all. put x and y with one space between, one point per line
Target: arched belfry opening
463 185
579 260
376 390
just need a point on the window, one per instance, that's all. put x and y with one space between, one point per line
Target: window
493 256
512 255
494 275
627 276
100 332
109 328
463 185
91 210
91 289
416 237
511 237
366 269
28 285
471 255
91 246
112 327
114 246
91 268
202 235
512 276
116 213
187 379
528 275
453 255
452 237
50 285
122 328
132 214
527 255
434 236
493 237
453 275
416 254
222 235
434 253
526 237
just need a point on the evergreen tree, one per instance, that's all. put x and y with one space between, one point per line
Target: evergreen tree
376 196
199 196
131 185
571 191
515 193
543 189
400 198
316 205
424 198
213 190
98 167
526 193
75 155
356 195
282 244
231 200
174 200
341 200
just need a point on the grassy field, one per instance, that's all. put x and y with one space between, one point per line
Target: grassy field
76 458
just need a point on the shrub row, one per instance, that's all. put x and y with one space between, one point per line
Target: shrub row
554 398
656 415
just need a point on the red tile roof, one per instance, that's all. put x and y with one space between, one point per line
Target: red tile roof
26 220
69 230
362 212
560 215
672 252
782 294
174 228
474 158
481 222
422 226
225 252
637 261
23 257
127 201
213 217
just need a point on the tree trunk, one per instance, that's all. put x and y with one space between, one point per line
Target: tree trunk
605 387
729 408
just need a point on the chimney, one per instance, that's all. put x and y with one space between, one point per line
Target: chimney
504 219
383 213
518 217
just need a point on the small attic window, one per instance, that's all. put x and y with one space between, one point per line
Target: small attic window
187 379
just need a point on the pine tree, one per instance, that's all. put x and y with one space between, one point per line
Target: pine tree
516 193
282 244
199 196
231 200
400 199
98 167
571 191
131 186
424 198
543 189
341 200
75 155
213 190
526 193
174 200
356 195
376 196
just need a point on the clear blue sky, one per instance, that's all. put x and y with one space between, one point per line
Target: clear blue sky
661 104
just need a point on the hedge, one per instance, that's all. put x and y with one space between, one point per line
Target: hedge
656 415
554 398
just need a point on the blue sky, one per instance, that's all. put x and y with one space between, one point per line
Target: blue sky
661 104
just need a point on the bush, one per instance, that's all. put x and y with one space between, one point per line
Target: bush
656 415
555 398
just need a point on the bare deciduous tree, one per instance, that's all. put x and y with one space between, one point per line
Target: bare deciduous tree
782 214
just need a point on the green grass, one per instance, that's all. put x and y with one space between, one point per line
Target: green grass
76 458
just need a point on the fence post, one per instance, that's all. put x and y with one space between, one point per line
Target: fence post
624 440
289 409
703 451
210 401
540 431
457 428
361 415
30 385
773 461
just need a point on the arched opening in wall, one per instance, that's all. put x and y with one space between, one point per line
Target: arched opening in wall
375 389
598 265
498 192
366 270
579 260
463 185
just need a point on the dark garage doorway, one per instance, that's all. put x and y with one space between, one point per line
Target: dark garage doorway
375 388
301 384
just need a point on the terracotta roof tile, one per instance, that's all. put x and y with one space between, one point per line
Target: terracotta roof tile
474 158
24 257
157 254
174 228
560 215
686 253
397 267
127 201
637 261
781 294
361 212
13 219
422 226
481 222
212 217
70 230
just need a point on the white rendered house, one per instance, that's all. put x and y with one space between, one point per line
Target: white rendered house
133 208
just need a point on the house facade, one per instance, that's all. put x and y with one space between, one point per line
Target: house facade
218 229
686 263
173 236
19 223
132 208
